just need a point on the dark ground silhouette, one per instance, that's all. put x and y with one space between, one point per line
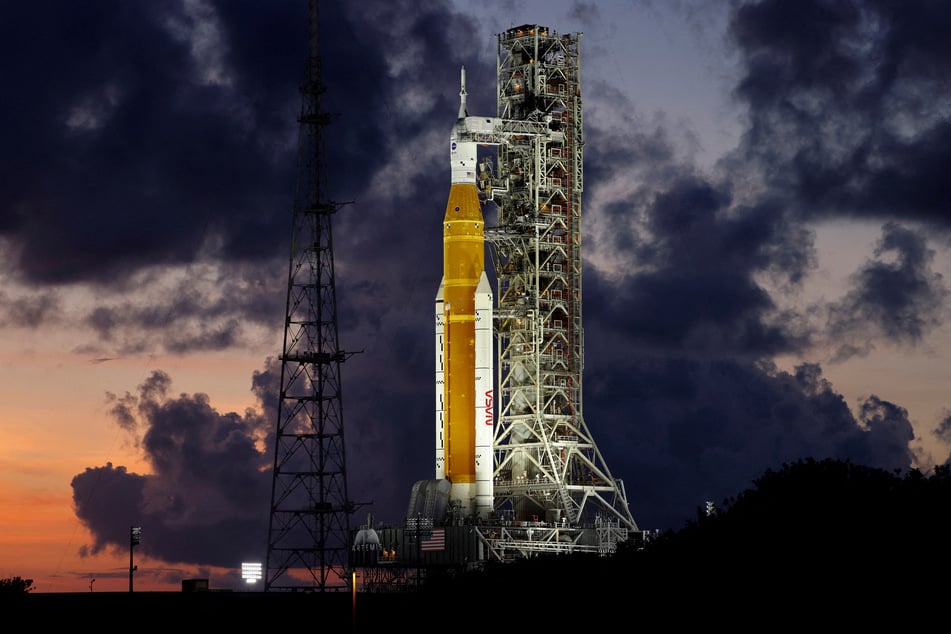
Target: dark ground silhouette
816 544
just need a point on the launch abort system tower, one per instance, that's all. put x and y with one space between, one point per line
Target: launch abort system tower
548 468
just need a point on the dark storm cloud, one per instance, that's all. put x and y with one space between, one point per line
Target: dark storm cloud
897 296
584 12
695 289
943 431
148 142
196 313
617 137
888 435
675 348
206 500
170 138
176 336
681 432
108 500
123 411
29 311
848 104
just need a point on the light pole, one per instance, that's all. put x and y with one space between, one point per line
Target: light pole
135 533
353 601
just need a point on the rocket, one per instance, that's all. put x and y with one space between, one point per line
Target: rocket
463 313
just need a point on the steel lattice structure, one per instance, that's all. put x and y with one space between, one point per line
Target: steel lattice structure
309 528
547 465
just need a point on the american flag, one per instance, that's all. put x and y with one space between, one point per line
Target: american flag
436 541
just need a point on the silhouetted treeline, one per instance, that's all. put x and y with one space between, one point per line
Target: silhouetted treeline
817 545
813 539
15 585
820 513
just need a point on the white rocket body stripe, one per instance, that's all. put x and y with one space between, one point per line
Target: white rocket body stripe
485 398
440 387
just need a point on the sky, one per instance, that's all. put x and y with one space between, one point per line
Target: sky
766 251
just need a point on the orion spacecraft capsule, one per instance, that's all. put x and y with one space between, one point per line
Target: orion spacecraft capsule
464 353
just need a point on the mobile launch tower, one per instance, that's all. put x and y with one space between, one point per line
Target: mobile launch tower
537 483
548 467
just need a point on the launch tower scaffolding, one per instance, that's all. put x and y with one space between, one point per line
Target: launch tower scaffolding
548 469
309 528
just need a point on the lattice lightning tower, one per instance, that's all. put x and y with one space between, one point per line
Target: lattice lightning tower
309 528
